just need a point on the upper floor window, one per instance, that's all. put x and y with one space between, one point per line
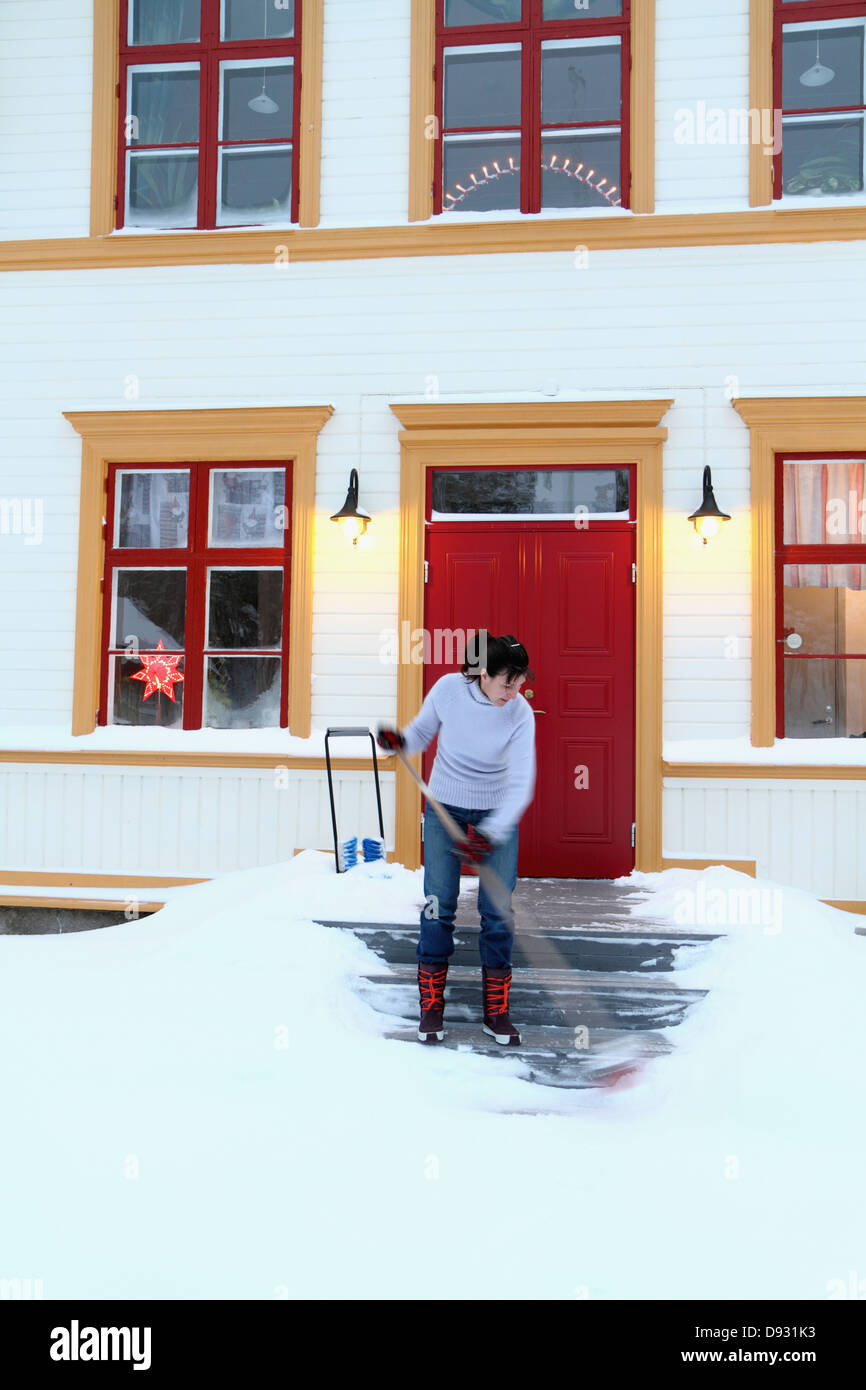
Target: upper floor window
821 597
195 596
209 112
819 88
532 104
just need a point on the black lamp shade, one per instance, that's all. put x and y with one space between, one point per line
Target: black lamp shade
350 509
708 508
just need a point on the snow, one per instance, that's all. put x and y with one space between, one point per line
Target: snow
199 1105
272 742
822 752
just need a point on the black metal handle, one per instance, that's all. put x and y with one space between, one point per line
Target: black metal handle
351 733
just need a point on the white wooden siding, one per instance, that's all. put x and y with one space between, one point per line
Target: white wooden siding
702 56
184 821
809 836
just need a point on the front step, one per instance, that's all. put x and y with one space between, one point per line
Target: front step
569 949
548 1056
565 999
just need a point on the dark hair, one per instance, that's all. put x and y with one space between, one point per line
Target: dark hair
484 652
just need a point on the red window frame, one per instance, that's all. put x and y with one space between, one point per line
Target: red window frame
196 558
530 32
786 12
208 51
788 554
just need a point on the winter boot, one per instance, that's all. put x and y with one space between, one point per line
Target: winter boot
495 984
431 988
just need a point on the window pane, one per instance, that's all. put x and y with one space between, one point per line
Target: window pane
822 156
255 186
531 492
164 21
824 502
825 699
482 88
482 11
242 692
824 608
245 608
581 9
130 702
481 174
163 106
580 83
149 608
151 510
258 19
162 190
822 67
270 87
248 507
580 171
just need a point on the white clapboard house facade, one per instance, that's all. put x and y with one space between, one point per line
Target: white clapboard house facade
523 270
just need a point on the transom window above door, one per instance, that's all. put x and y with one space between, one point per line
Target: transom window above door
208 105
532 104
515 494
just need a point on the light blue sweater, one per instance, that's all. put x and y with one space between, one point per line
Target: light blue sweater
485 755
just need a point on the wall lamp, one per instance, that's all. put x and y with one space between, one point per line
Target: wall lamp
708 519
352 520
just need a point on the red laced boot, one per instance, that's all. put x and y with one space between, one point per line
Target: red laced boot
495 984
431 988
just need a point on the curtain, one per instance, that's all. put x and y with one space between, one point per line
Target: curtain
822 506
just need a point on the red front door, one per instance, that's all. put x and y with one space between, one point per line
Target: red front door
568 595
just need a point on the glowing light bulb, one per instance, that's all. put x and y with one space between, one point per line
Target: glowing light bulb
351 528
708 526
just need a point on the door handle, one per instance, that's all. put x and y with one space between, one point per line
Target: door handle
539 711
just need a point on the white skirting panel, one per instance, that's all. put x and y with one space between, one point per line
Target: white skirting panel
805 835
186 822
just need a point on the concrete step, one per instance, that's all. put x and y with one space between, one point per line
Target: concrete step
547 1055
562 948
565 999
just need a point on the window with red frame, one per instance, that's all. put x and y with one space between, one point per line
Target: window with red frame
196 596
821 596
818 85
209 109
531 104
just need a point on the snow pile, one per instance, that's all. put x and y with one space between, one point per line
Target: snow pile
199 1105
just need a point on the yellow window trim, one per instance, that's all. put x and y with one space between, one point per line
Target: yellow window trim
760 97
183 436
531 436
760 227
825 424
103 176
422 107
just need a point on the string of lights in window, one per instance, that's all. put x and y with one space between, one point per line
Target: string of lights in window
552 167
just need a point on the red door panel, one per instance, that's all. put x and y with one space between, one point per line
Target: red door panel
568 594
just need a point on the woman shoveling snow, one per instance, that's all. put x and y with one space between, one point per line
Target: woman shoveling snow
484 774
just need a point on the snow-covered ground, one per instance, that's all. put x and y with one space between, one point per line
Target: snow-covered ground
198 1105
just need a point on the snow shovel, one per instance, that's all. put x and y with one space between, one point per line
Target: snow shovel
489 878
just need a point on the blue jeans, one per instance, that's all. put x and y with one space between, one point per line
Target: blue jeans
442 886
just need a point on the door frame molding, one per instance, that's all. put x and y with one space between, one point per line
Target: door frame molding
531 435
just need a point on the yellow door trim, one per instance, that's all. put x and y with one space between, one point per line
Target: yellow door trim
532 435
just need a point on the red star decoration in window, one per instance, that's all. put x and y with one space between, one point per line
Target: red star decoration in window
160 672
